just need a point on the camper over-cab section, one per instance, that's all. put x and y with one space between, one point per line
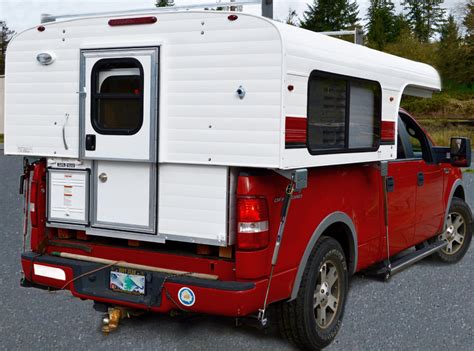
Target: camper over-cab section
203 88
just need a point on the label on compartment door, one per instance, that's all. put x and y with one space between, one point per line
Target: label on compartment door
68 189
68 196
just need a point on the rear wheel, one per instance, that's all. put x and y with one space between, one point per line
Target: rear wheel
458 232
312 320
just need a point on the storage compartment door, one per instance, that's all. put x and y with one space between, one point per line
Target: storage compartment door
194 204
68 196
124 196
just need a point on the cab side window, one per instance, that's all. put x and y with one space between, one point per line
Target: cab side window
415 144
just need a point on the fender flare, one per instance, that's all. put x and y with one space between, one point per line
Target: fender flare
457 183
335 217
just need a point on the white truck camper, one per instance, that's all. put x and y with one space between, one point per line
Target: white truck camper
143 117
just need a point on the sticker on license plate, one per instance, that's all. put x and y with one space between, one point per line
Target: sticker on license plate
127 280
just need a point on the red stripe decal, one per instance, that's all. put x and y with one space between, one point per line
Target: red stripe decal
295 130
388 131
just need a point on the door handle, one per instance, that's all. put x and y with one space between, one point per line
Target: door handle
390 184
421 178
90 142
66 146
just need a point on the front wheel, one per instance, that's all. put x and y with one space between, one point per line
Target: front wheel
458 232
312 320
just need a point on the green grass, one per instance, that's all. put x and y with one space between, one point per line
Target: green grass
469 170
1 138
441 131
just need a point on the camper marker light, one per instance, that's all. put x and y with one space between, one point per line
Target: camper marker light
132 21
232 17
45 58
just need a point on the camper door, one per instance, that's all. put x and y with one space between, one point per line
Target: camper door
118 91
119 127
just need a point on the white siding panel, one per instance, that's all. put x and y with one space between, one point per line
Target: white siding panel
193 209
204 58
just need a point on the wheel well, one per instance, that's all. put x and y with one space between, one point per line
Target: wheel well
459 193
342 233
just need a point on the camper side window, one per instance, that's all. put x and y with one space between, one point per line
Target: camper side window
344 114
117 96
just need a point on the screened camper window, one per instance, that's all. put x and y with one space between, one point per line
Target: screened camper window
344 114
117 96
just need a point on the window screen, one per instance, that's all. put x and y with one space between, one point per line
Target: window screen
343 113
117 96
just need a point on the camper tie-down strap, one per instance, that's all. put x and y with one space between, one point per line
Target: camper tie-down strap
298 181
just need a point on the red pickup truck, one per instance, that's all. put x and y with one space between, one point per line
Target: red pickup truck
336 227
223 163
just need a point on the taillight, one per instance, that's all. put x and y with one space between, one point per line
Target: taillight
252 224
34 198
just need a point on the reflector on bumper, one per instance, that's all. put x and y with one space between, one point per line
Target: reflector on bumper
49 272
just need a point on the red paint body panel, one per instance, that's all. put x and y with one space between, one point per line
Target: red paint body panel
430 206
402 205
350 189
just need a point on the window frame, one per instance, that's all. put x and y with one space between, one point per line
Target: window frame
346 149
95 96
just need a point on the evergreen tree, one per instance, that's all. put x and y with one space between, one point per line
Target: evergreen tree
425 17
331 15
468 22
400 26
5 36
468 47
164 3
450 52
381 23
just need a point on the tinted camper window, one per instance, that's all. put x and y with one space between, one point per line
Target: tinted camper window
117 96
344 114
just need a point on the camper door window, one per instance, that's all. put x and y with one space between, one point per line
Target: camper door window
117 96
344 114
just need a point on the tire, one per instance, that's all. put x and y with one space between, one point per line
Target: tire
299 321
458 232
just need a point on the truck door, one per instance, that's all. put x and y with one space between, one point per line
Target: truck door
401 197
429 182
119 131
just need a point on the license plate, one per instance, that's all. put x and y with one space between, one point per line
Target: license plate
128 281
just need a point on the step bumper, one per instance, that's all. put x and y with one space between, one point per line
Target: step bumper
91 281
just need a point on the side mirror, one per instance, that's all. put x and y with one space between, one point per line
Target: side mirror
460 152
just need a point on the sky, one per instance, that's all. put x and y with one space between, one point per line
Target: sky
22 14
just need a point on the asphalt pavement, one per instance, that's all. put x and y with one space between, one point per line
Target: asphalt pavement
427 307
